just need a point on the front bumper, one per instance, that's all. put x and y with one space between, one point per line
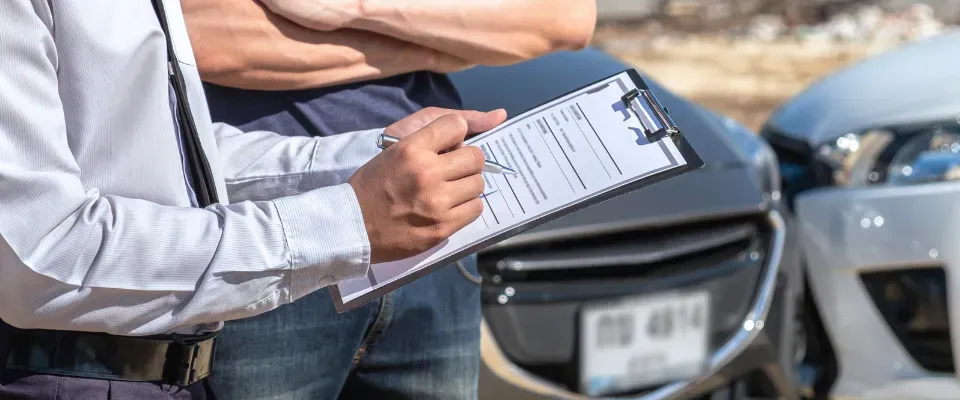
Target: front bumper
851 233
759 341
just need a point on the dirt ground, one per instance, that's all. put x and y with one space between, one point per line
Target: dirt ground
742 79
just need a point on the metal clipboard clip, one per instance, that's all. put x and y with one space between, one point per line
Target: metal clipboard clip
656 126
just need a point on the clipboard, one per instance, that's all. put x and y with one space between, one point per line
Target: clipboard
657 128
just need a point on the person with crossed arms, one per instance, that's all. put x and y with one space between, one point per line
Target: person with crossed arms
321 67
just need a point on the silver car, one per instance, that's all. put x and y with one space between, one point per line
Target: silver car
870 160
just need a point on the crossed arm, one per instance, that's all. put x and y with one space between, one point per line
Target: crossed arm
295 44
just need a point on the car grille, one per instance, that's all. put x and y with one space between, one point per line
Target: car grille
620 253
913 302
532 293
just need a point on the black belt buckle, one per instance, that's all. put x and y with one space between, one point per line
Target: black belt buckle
195 358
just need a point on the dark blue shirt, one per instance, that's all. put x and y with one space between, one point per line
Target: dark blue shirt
332 110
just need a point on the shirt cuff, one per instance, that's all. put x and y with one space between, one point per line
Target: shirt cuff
364 146
336 158
326 237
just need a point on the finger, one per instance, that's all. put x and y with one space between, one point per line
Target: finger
479 122
465 214
444 133
462 162
417 121
463 190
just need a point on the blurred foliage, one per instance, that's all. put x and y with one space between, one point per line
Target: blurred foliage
745 57
707 15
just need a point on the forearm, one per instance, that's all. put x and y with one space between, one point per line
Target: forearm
263 165
480 31
130 267
240 44
339 59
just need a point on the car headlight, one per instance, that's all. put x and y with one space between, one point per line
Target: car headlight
883 156
932 157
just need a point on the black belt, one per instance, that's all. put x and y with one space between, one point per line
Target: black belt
178 359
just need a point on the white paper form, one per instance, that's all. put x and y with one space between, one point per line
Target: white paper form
566 151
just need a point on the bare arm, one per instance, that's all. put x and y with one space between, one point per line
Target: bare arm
490 32
240 44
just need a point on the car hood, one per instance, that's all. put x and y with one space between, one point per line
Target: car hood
916 83
520 87
726 185
704 194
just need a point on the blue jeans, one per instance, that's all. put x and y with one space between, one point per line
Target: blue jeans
421 341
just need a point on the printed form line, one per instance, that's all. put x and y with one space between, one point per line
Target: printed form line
592 148
505 201
496 160
598 138
564 153
554 156
489 207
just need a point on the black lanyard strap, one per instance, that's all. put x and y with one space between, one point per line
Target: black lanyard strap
200 174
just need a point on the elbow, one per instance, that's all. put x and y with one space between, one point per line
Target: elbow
38 301
570 32
236 72
231 67
576 30
21 305
580 38
15 314
34 300
217 66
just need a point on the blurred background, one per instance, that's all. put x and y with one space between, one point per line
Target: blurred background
744 57
819 237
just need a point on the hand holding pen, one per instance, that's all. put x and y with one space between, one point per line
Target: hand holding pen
384 141
423 188
477 122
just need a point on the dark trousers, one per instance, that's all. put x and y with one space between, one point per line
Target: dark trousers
16 385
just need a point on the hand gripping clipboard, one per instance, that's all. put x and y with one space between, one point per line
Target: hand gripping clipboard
604 119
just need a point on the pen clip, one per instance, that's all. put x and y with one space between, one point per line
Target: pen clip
654 130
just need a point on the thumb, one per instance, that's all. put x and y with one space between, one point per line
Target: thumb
479 122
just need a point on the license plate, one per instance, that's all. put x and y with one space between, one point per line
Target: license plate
643 342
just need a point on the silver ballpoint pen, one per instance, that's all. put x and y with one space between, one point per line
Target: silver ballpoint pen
384 141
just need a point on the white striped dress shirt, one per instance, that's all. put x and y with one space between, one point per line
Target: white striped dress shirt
97 232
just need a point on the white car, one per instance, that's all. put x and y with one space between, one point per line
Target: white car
870 162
